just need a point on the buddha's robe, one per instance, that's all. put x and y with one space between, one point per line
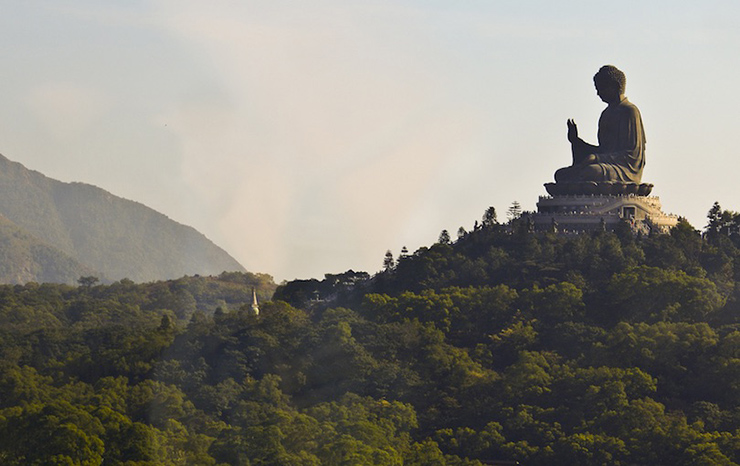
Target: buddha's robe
620 155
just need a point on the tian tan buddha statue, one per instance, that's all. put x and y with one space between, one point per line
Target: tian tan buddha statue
615 165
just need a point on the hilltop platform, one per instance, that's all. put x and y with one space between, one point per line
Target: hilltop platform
583 212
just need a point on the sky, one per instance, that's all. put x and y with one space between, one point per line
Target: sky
310 137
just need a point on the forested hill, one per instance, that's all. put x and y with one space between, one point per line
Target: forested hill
602 348
504 346
115 237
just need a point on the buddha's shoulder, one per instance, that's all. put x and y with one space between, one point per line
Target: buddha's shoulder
623 109
627 106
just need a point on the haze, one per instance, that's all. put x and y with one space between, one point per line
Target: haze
310 137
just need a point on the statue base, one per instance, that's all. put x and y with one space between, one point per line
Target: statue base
573 213
604 188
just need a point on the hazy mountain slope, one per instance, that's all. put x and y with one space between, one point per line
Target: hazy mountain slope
24 258
26 198
118 237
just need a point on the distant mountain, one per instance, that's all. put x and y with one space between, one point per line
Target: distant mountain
55 231
24 258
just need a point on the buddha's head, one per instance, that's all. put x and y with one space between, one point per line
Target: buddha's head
610 83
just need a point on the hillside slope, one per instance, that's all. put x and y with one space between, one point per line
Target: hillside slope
118 237
24 258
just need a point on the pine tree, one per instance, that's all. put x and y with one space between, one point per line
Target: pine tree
714 217
388 262
515 211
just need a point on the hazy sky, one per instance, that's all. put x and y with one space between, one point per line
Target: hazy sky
308 137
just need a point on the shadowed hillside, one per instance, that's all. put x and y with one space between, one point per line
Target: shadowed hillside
114 236
23 258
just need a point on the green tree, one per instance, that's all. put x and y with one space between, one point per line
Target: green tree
87 281
652 294
56 433
489 217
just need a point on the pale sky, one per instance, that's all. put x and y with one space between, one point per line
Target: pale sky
309 137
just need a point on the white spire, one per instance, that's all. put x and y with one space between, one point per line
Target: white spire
255 304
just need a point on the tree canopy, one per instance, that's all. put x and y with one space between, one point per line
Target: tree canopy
504 345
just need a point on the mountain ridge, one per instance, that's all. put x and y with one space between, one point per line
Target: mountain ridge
117 237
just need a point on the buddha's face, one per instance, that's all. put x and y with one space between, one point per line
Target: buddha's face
608 91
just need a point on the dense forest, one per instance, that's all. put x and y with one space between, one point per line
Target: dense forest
500 346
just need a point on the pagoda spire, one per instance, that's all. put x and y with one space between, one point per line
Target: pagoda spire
255 304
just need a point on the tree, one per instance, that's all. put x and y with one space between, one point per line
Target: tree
87 281
461 233
654 294
489 217
388 262
515 211
714 217
722 223
444 237
166 323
